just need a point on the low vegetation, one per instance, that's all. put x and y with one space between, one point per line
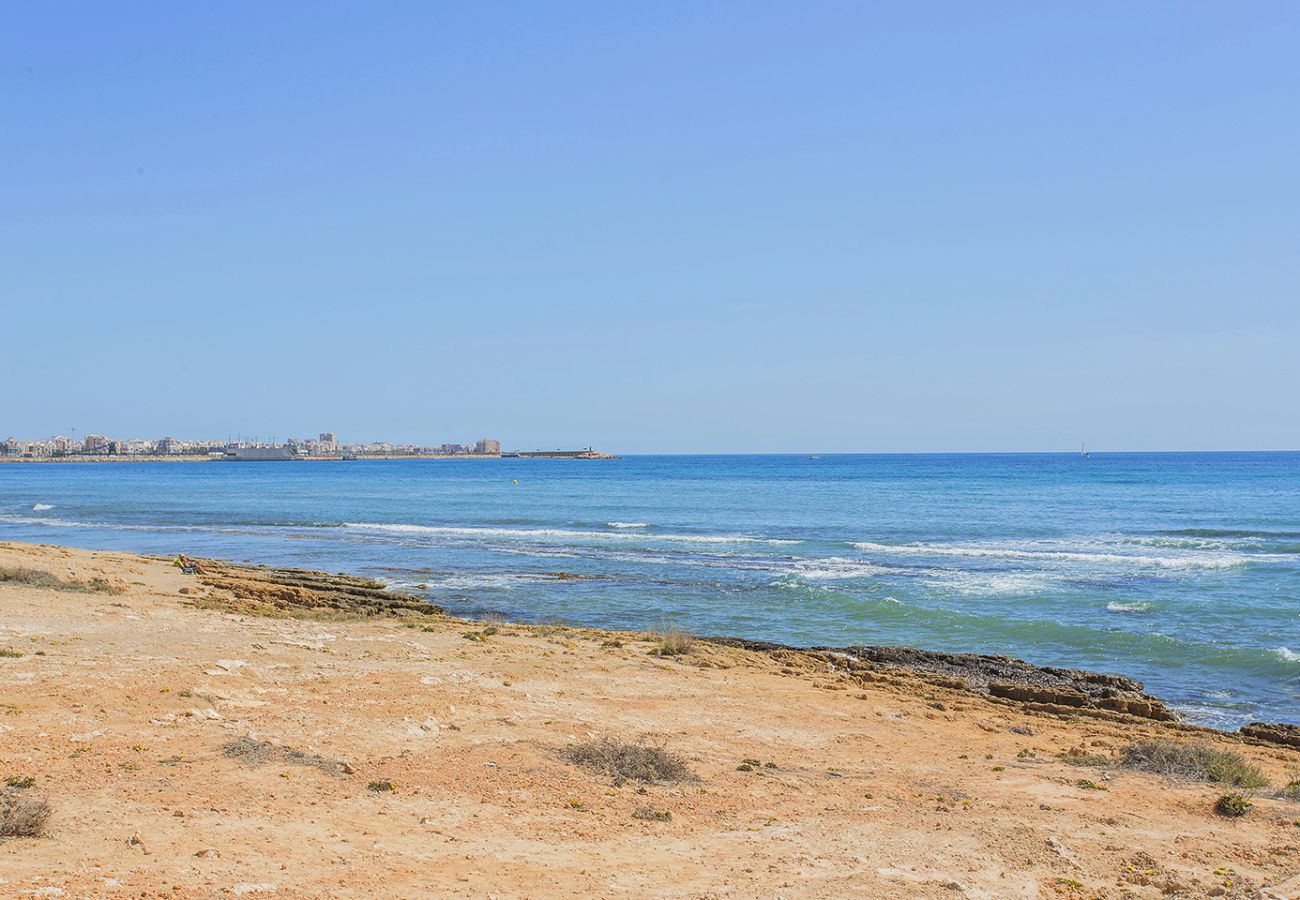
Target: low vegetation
40 579
381 787
1077 756
21 816
256 753
1192 762
1291 791
673 641
7 653
625 761
1234 806
650 814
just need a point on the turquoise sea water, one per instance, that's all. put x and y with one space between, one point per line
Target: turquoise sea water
1182 570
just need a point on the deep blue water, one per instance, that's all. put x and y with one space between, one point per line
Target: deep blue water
1182 570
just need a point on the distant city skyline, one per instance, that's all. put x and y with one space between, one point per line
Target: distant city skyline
656 227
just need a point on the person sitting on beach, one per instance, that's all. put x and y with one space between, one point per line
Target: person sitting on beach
187 565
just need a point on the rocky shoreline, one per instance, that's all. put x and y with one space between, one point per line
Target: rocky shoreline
270 591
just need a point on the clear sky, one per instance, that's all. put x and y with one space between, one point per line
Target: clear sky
654 226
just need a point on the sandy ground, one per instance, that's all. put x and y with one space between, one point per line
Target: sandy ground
121 703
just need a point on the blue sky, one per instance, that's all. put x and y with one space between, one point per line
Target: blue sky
655 227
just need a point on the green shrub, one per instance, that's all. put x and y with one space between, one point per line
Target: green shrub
1194 762
1233 806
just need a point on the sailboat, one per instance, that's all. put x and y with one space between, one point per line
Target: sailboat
1083 450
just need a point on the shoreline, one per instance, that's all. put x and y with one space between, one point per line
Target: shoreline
299 733
1050 689
193 458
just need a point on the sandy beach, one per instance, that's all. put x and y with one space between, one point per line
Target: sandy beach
243 732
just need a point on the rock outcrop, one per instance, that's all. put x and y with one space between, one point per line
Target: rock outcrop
1274 733
1001 676
262 590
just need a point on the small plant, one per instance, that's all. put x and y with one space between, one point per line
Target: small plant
477 636
1079 757
6 653
1292 789
21 817
21 782
1194 762
999 768
650 814
253 753
1234 806
1070 883
381 787
629 760
1087 785
673 641
578 806
744 767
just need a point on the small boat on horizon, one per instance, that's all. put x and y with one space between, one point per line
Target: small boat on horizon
1083 450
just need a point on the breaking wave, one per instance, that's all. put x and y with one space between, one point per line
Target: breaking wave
543 533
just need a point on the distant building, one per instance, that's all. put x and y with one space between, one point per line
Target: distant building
167 446
328 442
487 445
95 443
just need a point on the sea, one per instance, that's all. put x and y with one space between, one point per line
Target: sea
1179 569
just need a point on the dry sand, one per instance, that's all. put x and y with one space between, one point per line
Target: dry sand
883 785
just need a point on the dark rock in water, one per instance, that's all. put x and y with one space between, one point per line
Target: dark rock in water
1274 733
1002 676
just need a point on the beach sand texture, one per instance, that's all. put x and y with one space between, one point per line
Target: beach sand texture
189 744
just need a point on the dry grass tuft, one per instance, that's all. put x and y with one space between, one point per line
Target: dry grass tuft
673 641
1192 762
21 817
40 579
255 753
650 814
629 760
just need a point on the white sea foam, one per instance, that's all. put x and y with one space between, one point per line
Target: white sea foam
988 583
41 507
1048 551
1115 606
834 568
627 524
534 534
1288 655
